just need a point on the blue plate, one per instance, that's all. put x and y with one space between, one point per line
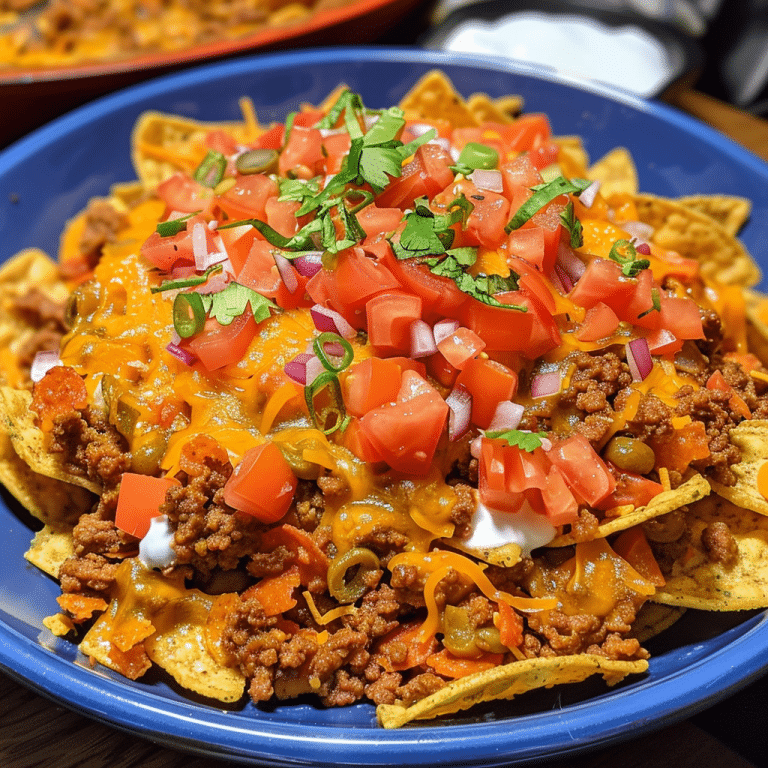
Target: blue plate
49 176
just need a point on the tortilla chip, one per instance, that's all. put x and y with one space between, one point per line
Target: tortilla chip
616 173
572 157
690 491
506 682
751 437
50 547
653 618
182 652
729 211
18 422
434 97
695 581
504 556
697 236
484 109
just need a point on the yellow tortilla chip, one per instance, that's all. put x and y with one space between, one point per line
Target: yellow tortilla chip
697 236
616 173
50 547
484 109
18 422
690 491
751 437
504 556
182 652
728 210
506 682
572 157
696 581
434 97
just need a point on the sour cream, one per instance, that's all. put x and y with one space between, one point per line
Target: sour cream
155 549
493 528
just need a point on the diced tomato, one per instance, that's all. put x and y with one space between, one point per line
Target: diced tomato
281 215
489 383
182 193
427 174
405 434
736 402
347 287
523 133
262 485
272 138
248 198
678 449
603 282
375 220
559 503
260 272
336 147
681 316
519 173
238 242
370 383
491 484
533 283
139 500
631 488
303 154
460 347
221 141
599 323
533 332
490 214
220 345
527 243
355 440
585 472
441 370
175 250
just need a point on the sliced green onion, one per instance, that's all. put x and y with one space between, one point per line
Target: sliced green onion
174 226
543 194
476 155
332 415
624 253
188 314
185 282
257 161
211 171
333 338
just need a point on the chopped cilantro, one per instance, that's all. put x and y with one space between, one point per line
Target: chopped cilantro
185 282
526 441
655 304
572 226
230 303
543 194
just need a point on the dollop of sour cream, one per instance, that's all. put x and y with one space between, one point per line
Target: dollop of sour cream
493 528
155 549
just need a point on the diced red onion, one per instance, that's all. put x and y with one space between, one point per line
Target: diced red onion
213 225
587 197
476 447
43 363
545 384
489 180
638 229
570 262
564 278
642 248
422 339
303 369
309 264
326 319
182 270
286 272
455 154
506 416
419 129
442 142
459 417
182 354
326 132
444 328
639 358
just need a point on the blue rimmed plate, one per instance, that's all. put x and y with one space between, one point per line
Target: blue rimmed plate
49 176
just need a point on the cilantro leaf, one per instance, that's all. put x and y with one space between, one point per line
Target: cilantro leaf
543 194
572 226
230 303
526 441
298 189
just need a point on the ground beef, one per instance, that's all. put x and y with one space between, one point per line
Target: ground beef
208 534
308 508
385 542
91 575
95 534
719 544
91 446
418 688
461 514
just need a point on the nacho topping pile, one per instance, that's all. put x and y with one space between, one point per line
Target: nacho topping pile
413 405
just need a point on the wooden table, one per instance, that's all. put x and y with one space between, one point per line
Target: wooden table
34 732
